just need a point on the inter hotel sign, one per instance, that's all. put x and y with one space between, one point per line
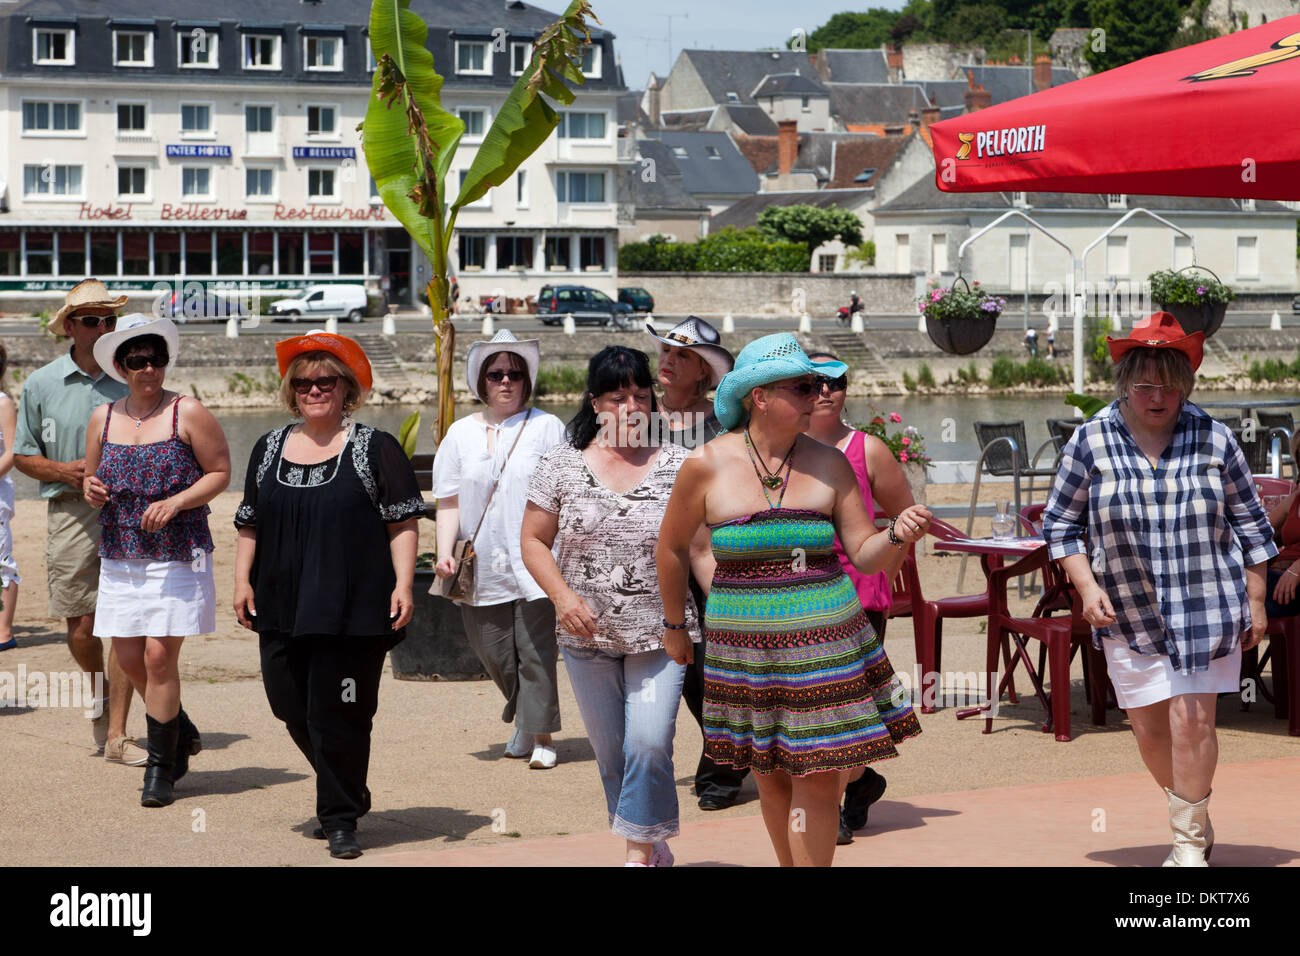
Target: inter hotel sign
200 212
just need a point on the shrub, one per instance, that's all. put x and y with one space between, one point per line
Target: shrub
925 376
728 250
909 383
561 380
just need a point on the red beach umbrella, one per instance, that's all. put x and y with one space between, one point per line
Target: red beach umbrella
1219 118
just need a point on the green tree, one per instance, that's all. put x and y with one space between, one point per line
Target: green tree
1133 29
975 23
810 225
854 31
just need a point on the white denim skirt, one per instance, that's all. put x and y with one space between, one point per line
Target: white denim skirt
1144 679
143 598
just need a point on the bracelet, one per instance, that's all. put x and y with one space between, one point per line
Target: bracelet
674 627
1291 571
894 539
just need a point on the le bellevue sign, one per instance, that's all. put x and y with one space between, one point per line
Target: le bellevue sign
204 212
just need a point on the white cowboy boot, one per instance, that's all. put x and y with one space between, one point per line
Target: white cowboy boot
1193 835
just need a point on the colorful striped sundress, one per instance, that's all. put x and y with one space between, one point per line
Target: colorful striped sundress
794 676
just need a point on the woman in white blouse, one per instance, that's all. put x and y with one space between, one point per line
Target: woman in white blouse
509 620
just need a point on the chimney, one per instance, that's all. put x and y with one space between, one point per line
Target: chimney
894 129
894 59
930 115
913 118
652 95
977 98
1042 72
787 145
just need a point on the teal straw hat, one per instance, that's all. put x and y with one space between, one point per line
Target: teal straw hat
761 362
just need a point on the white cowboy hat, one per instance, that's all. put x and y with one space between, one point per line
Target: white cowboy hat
504 341
703 339
131 327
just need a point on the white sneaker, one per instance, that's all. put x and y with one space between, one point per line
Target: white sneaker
661 855
521 745
543 758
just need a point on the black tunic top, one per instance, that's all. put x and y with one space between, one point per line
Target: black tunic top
323 564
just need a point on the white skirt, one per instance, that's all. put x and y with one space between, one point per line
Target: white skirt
1144 679
143 598
8 569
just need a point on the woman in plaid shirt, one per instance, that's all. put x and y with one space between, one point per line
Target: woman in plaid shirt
1155 518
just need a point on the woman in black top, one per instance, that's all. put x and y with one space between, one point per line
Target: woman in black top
325 567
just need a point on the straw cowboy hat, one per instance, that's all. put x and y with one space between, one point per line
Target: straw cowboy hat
761 362
132 327
341 347
86 294
1160 331
702 339
504 341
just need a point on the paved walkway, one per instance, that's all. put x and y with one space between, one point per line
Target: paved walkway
1096 821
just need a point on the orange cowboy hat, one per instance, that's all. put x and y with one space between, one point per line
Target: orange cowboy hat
340 346
1160 331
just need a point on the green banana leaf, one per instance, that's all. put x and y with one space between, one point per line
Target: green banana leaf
1090 404
409 434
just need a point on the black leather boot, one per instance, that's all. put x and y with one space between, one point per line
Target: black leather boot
187 745
162 761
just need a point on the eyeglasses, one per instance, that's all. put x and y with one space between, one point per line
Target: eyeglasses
1144 390
840 384
496 377
136 363
94 321
325 384
804 389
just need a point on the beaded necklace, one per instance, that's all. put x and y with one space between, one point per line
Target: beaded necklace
771 479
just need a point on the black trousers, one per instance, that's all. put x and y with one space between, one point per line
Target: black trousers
326 690
711 779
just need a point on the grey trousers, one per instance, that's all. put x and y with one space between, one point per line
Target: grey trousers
516 644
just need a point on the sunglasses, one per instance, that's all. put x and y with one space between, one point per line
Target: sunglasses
840 384
497 377
136 363
1151 391
804 389
325 384
94 321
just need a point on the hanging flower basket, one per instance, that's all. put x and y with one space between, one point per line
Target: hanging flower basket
1199 303
961 319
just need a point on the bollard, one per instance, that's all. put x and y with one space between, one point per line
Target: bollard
1115 323
332 325
920 323
805 323
855 324
728 324
569 327
1275 323
489 327
650 319
232 327
390 327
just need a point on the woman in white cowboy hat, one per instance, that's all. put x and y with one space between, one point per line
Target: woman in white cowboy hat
480 478
691 364
154 460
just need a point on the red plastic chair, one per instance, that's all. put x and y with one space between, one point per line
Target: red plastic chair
1284 650
1273 486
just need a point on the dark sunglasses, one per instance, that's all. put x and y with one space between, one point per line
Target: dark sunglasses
136 363
804 389
497 376
325 384
840 384
94 321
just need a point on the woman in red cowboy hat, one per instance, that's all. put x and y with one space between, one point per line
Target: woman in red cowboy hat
1155 518
325 566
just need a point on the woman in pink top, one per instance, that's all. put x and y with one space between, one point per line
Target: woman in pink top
886 493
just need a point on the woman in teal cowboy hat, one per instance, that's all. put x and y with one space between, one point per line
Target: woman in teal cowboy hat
796 685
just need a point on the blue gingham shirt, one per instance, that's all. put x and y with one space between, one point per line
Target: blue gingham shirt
1169 545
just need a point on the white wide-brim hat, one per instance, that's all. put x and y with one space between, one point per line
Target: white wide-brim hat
702 339
504 341
133 326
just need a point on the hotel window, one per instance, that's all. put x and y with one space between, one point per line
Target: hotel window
135 254
804 106
103 253
259 183
261 253
472 57
320 253
374 191
514 251
132 118
558 251
51 118
589 63
198 253
50 180
582 126
230 253
591 253
54 47
1116 201
475 121
521 189
320 184
580 187
10 254
520 54
261 52
132 181
351 255
322 121
72 253
197 48
483 202
472 253
323 53
132 49
40 254
1247 257
196 182
259 130
196 119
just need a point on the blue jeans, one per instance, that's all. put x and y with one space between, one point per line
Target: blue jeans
629 705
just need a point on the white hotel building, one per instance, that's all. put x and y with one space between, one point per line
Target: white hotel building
218 143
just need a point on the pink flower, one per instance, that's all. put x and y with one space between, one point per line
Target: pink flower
902 456
906 440
936 295
895 417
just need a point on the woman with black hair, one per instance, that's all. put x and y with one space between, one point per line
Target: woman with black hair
598 500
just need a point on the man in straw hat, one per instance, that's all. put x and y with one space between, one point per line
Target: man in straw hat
50 446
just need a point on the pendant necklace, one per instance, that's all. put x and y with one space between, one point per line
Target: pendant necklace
139 420
771 479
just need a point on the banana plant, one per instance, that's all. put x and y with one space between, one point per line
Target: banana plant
409 141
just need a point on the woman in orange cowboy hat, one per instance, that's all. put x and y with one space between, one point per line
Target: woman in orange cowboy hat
325 567
1155 518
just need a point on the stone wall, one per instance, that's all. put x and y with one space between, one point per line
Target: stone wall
771 293
936 62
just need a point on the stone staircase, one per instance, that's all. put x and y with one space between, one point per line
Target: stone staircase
857 353
384 363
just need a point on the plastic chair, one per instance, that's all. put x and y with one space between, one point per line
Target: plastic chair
1267 485
1264 452
1284 649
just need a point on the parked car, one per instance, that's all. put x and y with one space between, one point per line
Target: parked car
201 307
322 301
639 299
1295 304
585 304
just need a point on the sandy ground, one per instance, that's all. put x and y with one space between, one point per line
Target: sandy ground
436 772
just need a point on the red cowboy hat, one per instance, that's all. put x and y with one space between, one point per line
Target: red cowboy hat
1160 331
340 346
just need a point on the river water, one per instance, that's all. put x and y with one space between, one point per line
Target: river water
946 422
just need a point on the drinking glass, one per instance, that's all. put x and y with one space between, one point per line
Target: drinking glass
1004 521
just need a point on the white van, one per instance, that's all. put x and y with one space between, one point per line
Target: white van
323 301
